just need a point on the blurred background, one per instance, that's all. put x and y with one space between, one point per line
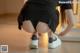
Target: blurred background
18 40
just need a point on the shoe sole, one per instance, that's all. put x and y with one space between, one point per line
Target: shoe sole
55 44
33 47
34 44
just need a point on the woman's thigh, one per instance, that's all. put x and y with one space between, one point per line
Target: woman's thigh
42 27
28 27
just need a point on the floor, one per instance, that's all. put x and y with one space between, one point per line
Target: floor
18 40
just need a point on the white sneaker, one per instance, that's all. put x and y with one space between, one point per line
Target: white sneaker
34 44
56 42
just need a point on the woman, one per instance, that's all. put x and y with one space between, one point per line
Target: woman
40 16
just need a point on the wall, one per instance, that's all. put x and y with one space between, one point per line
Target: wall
10 6
2 8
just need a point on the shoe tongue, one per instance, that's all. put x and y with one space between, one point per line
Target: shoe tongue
51 39
34 37
54 38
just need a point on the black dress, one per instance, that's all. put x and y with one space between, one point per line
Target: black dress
41 11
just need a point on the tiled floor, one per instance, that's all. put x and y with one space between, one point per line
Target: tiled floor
18 41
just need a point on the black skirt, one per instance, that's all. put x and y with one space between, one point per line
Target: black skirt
39 13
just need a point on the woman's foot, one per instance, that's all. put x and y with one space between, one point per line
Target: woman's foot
54 42
34 42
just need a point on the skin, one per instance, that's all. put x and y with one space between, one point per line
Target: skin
30 28
70 21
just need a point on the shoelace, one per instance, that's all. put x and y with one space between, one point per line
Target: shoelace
51 39
34 37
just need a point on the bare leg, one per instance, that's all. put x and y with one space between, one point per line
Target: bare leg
28 27
42 29
50 33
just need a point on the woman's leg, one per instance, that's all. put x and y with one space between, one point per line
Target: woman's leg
47 36
42 29
28 27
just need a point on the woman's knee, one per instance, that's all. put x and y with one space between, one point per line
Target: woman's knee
42 27
28 27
